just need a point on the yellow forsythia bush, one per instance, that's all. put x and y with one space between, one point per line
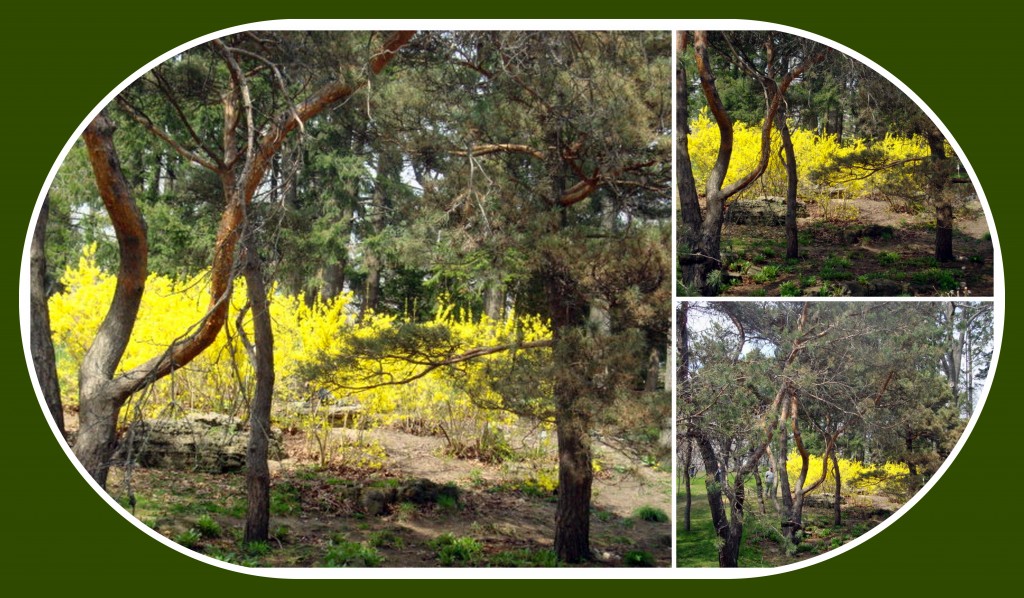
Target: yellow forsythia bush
817 159
857 477
221 378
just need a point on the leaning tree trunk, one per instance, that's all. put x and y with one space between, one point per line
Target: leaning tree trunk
40 338
257 474
99 399
719 519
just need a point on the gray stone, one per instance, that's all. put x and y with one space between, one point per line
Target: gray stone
766 211
209 442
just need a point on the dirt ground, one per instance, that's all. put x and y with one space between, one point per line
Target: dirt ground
310 513
860 247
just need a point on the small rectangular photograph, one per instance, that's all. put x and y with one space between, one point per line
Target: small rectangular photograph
803 426
804 172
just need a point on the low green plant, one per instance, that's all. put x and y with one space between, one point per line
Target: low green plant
888 258
405 511
452 550
789 289
258 548
281 533
649 513
835 268
944 280
767 274
447 502
351 554
207 527
638 558
284 499
603 516
524 558
385 538
189 538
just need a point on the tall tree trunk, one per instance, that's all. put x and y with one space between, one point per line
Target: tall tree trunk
760 488
837 518
494 301
257 474
40 337
575 463
938 178
792 242
99 399
688 505
575 479
789 525
719 518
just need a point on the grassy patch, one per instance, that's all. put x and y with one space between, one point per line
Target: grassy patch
638 558
452 550
649 513
524 558
351 554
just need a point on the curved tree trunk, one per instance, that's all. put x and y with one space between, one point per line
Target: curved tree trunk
99 398
40 338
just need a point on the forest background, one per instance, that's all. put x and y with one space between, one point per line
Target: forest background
60 64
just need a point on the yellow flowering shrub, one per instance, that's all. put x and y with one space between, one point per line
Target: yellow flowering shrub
857 477
457 402
824 166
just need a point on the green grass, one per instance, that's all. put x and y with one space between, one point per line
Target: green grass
638 558
189 538
351 554
453 550
789 289
649 513
284 499
888 258
699 546
767 274
524 558
207 527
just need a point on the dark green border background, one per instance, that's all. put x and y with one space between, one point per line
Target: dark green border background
58 537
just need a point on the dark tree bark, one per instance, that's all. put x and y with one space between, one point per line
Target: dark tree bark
257 474
837 509
728 528
792 239
938 177
688 504
40 338
572 423
575 479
